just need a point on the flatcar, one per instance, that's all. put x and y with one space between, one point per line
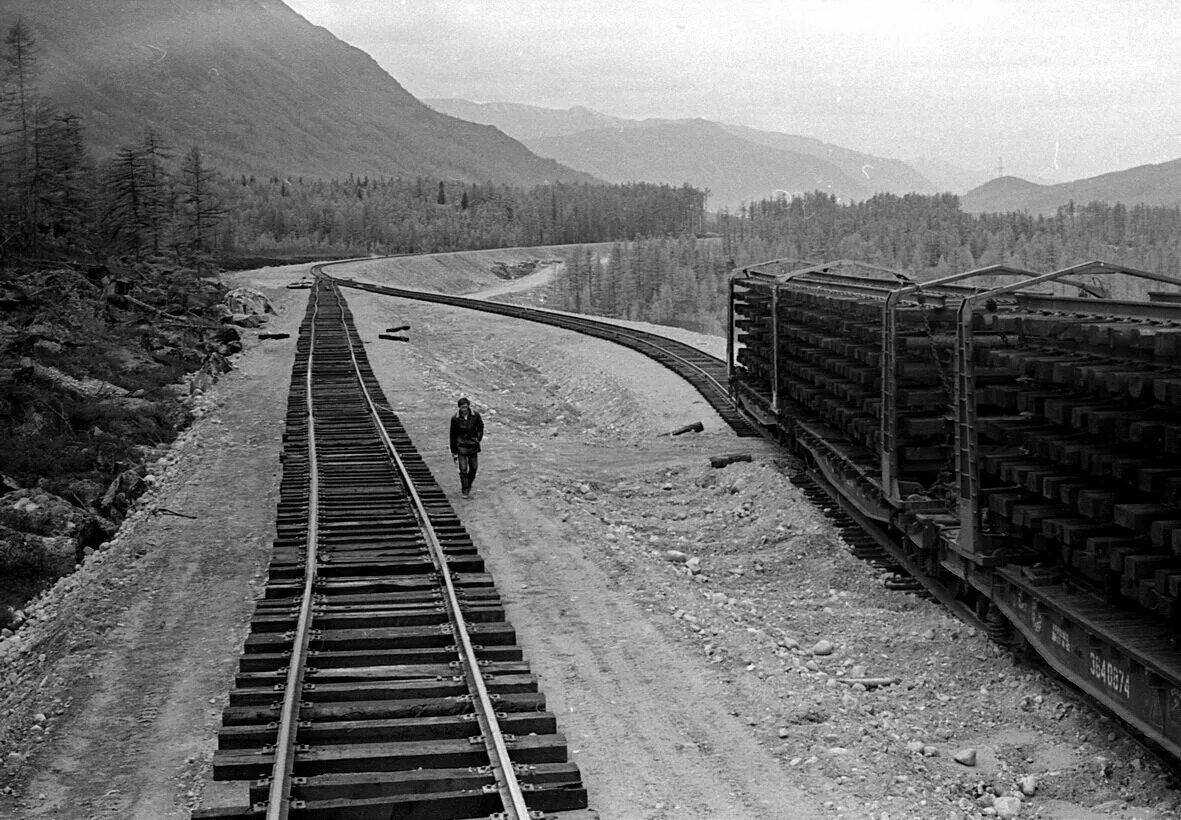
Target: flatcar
1014 436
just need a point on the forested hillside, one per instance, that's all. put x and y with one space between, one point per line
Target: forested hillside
152 203
363 216
683 281
259 88
1148 184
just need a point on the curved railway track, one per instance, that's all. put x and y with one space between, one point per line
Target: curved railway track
708 374
380 678
867 537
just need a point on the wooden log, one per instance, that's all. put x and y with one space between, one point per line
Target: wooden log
253 736
1138 517
1096 503
1160 533
413 781
236 765
1140 566
1154 479
1031 516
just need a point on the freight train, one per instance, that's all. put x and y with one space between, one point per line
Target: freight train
1013 438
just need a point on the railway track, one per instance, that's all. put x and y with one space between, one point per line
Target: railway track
708 374
379 678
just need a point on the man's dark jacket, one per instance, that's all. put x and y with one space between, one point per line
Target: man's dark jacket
466 433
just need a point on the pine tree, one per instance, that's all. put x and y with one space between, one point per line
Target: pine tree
200 208
23 111
156 188
125 220
67 197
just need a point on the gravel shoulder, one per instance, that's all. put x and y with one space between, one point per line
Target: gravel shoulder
690 626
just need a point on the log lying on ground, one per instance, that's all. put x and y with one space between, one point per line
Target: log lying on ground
695 427
397 329
722 461
391 337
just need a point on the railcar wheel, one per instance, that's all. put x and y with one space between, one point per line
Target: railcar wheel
999 629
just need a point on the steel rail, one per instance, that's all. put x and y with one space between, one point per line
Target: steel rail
501 765
279 796
602 329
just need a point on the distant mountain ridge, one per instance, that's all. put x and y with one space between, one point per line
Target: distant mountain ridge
259 88
702 154
737 163
1145 184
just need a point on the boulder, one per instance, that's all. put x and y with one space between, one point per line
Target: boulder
127 486
26 554
1007 806
250 301
823 647
38 512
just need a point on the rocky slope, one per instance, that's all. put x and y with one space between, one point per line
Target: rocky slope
97 371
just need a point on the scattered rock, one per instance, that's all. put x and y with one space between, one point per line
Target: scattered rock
967 757
822 647
1007 806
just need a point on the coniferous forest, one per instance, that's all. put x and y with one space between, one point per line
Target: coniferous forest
682 281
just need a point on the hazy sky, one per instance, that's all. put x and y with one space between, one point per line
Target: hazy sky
1057 90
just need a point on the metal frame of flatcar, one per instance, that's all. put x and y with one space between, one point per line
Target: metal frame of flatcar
764 275
969 542
1119 658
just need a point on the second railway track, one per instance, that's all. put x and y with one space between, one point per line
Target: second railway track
706 373
380 677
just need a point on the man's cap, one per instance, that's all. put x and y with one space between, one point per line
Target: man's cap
464 401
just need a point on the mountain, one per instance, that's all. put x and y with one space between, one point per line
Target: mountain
748 165
876 174
702 154
258 87
947 177
527 122
1145 184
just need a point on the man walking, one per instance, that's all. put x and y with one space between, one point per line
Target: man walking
467 430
